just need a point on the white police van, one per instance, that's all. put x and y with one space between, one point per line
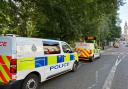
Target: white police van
33 60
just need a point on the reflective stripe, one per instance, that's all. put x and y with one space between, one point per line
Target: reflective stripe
67 58
6 61
5 74
22 63
87 54
88 51
83 52
9 58
78 51
52 60
40 61
25 64
60 58
3 78
72 57
83 55
76 56
7 71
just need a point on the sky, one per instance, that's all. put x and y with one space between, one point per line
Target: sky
123 14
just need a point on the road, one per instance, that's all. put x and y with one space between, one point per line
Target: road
108 72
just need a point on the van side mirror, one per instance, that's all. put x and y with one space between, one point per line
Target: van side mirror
69 51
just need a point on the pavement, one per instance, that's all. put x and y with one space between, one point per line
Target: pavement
108 72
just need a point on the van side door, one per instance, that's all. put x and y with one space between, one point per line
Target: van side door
54 58
69 56
96 51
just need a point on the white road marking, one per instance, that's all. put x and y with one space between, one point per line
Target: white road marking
93 85
96 81
111 75
109 79
97 72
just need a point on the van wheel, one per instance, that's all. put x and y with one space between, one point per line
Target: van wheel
31 82
75 66
91 59
99 56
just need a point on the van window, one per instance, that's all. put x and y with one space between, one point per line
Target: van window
51 47
66 48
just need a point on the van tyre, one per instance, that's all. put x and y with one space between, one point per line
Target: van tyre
75 66
31 82
99 56
91 59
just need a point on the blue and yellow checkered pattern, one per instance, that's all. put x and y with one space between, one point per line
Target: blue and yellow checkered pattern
31 63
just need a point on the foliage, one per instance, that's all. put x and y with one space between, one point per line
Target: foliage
69 20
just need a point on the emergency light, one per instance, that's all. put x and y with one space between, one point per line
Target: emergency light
90 38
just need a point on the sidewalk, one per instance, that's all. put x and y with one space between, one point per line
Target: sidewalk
106 48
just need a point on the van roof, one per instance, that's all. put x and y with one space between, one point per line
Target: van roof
31 38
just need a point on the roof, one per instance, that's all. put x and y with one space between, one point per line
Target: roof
38 39
16 36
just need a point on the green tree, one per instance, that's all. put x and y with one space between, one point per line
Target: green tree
68 20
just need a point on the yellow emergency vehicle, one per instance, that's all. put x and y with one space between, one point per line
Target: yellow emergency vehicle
33 60
116 43
88 50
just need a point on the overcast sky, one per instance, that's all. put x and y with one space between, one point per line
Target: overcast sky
123 14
